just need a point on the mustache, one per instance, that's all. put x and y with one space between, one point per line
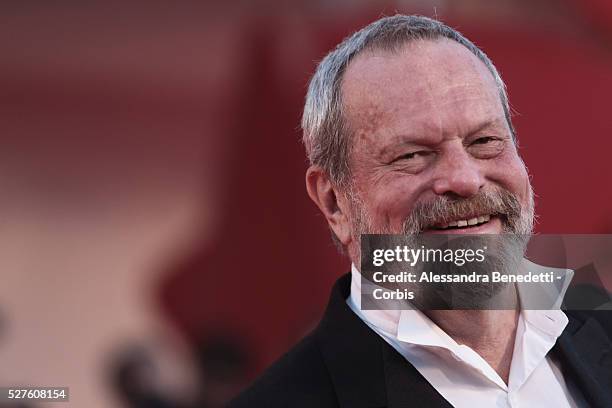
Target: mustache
444 209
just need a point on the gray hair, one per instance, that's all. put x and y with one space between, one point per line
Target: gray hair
326 135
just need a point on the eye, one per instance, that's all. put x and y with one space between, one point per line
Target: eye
484 140
412 162
486 147
413 155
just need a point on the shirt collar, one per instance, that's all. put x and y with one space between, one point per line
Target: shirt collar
537 333
414 327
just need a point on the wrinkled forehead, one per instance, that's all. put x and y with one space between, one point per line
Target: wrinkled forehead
421 78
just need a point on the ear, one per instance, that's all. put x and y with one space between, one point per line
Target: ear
332 202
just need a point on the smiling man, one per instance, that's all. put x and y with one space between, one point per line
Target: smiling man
407 127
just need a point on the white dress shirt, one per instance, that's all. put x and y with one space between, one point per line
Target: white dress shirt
460 374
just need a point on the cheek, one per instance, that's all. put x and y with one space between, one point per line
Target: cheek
510 173
390 202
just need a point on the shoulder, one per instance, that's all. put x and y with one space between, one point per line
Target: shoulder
298 379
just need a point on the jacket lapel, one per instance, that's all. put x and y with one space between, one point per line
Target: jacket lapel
586 354
406 387
365 370
352 353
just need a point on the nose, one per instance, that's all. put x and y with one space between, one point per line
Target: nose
457 174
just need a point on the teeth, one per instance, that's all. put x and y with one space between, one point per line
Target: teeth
464 223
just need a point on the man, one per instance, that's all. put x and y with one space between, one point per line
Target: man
407 127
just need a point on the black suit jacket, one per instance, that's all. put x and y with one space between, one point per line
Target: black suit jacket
343 363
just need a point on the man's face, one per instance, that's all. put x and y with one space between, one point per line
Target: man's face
432 150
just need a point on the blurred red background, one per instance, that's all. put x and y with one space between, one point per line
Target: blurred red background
152 176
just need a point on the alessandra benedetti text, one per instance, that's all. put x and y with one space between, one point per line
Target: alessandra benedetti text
494 277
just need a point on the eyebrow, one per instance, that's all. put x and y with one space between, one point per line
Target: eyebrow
497 122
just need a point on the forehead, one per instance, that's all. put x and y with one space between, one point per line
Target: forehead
426 84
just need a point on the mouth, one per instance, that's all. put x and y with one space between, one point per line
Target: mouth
481 223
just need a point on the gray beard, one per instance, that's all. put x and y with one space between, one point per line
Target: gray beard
505 255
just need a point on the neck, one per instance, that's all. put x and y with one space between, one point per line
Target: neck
490 333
